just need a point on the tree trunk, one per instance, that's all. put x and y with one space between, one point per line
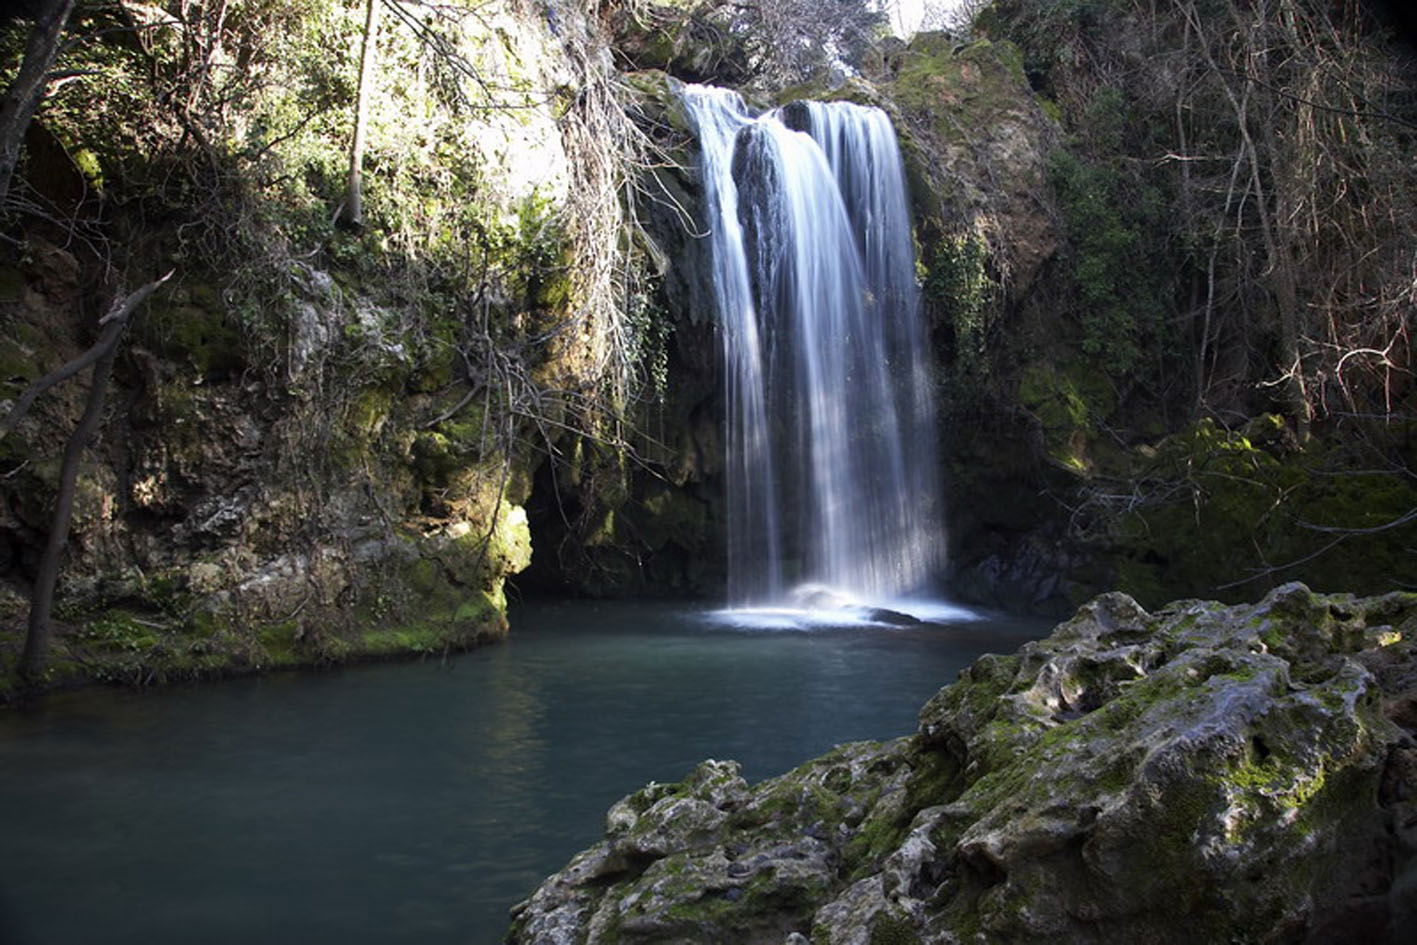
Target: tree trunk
42 599
23 96
101 355
1278 231
352 213
1275 201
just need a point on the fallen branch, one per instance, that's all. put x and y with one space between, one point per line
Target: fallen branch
1409 516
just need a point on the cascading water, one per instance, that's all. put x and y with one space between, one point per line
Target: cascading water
830 432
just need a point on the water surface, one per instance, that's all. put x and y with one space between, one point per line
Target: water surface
415 802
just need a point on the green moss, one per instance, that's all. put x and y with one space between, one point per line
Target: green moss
878 835
207 338
467 431
433 457
25 355
368 411
411 639
669 515
433 372
279 643
935 778
1273 781
119 630
1177 821
1141 577
1213 514
88 164
416 609
957 283
479 609
1069 403
981 80
888 929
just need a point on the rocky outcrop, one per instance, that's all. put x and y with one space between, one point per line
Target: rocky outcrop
320 443
698 41
649 524
976 141
1203 773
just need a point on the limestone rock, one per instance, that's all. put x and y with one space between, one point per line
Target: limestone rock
976 142
1203 773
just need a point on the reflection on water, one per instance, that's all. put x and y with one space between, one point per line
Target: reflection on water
414 803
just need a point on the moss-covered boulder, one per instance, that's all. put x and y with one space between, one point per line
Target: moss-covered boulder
1202 773
1223 511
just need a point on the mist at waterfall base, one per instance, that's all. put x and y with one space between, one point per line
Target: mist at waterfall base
833 504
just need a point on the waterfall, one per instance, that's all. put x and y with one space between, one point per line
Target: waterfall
831 462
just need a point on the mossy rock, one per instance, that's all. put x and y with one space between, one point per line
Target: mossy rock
1165 777
1070 403
205 336
659 96
691 39
25 356
668 514
947 80
434 458
12 284
1216 510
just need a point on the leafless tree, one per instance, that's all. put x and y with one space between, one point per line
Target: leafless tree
352 213
1289 119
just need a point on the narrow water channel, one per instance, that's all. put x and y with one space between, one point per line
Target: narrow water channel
415 802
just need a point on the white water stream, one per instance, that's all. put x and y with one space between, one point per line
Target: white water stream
831 426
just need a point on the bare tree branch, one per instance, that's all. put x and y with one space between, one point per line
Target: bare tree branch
103 353
113 323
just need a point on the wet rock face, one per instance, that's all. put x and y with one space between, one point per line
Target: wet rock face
1203 773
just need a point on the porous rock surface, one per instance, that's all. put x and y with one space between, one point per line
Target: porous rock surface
1204 773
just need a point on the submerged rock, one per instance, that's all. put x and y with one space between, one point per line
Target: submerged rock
1203 773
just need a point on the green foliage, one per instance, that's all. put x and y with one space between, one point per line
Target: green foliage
1106 120
203 335
119 630
221 141
1117 233
1223 513
650 328
1070 403
1053 34
235 164
958 283
891 929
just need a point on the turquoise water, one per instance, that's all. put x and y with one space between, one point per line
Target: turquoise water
416 802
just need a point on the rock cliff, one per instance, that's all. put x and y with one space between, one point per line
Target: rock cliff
320 442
